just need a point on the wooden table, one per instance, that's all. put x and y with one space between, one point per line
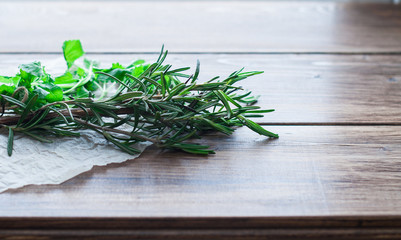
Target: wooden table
332 72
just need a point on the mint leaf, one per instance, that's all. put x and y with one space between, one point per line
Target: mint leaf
6 90
55 93
29 73
118 73
31 69
66 78
48 93
82 92
72 50
10 81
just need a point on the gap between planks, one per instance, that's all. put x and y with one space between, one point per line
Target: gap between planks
385 53
329 123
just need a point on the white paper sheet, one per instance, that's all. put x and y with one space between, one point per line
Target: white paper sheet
33 162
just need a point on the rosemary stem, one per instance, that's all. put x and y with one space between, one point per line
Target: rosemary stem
55 103
116 131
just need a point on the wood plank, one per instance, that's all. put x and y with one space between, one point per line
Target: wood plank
304 89
340 227
309 171
218 26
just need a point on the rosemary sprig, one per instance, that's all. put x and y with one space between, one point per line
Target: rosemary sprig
149 102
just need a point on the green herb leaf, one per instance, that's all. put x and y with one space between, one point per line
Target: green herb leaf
72 50
34 69
256 127
10 141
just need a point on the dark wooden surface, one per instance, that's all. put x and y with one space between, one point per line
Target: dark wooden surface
204 228
332 72
318 89
309 171
201 26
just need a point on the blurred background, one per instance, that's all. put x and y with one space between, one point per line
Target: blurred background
199 26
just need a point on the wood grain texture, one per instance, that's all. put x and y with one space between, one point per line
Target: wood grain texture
314 182
309 171
304 89
340 227
217 26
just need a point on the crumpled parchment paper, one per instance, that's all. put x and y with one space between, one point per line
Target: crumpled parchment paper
34 162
